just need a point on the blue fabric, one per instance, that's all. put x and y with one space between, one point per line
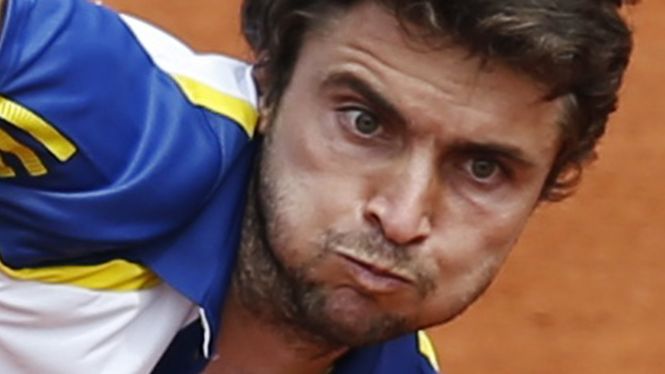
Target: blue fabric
155 179
132 144
182 357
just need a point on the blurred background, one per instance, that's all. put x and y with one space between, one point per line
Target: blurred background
580 293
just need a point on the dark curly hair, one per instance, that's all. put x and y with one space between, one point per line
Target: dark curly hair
578 48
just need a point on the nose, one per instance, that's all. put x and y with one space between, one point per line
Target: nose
403 204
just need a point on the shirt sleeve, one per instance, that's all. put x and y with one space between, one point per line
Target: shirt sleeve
99 148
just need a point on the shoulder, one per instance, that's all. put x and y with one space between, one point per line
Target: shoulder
98 111
215 82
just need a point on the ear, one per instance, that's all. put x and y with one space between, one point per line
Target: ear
265 109
265 118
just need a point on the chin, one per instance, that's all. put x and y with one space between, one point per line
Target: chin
352 319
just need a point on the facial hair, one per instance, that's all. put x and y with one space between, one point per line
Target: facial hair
286 297
290 300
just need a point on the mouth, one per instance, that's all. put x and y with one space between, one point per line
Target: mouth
374 277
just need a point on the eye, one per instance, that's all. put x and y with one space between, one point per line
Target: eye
483 169
361 121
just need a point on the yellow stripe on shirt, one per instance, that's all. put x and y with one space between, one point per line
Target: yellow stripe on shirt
30 160
116 275
208 97
42 131
426 348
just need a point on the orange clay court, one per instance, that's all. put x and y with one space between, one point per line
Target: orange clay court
580 293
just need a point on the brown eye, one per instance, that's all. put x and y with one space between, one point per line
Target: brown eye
364 122
483 168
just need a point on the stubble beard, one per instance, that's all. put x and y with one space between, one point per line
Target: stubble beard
289 302
285 298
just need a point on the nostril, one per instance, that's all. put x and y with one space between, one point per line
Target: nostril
374 210
399 221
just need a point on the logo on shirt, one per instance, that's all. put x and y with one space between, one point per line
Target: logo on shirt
36 128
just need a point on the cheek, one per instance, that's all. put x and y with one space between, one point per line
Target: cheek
453 297
299 137
465 263
317 184
467 253
471 232
308 197
493 228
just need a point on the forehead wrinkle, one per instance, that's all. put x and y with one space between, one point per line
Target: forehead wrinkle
343 29
457 90
389 35
384 66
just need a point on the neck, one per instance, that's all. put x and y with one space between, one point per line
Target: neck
251 344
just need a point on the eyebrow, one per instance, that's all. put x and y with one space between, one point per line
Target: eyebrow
375 100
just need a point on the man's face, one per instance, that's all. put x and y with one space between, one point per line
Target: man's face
395 179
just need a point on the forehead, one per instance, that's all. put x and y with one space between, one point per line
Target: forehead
374 33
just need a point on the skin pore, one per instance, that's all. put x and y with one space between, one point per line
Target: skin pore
392 184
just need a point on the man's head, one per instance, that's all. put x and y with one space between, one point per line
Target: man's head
407 143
